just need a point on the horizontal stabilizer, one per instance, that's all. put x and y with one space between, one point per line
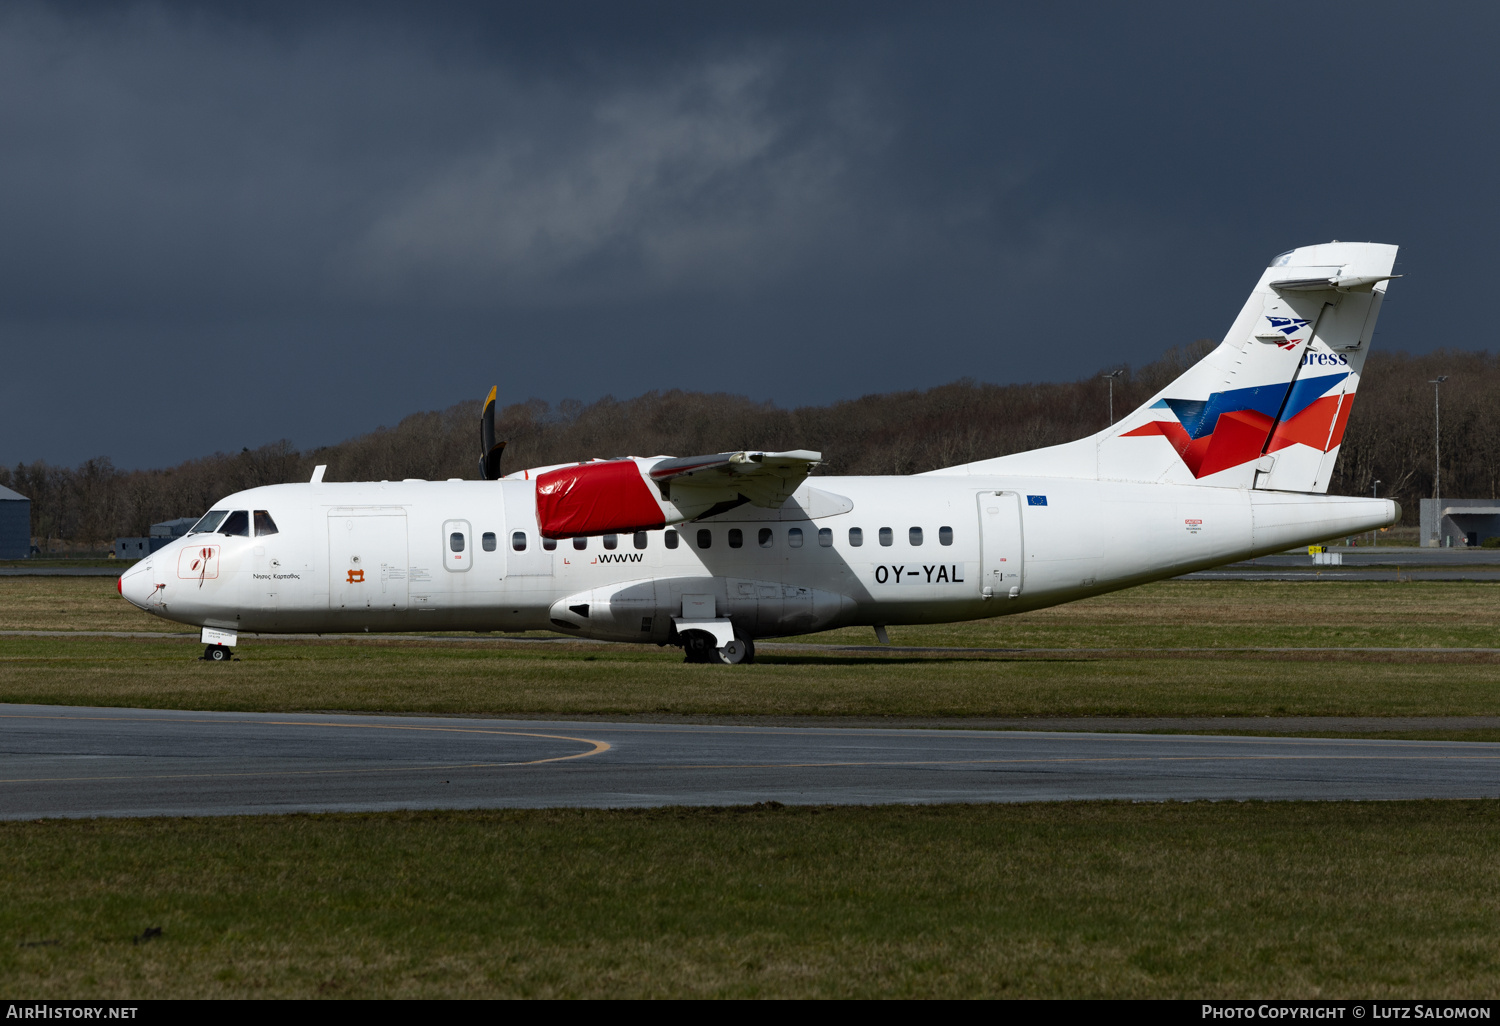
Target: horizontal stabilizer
1354 283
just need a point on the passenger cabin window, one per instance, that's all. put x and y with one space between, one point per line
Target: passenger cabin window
736 537
611 540
209 522
580 543
794 537
825 537
856 537
766 538
886 537
945 536
487 540
264 525
640 539
705 538
671 539
517 541
914 536
237 524
455 542
549 544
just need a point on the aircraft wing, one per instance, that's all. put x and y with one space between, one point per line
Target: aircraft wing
765 479
633 494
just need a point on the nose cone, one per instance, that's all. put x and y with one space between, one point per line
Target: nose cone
138 584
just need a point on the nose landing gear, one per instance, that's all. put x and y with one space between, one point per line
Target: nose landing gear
220 644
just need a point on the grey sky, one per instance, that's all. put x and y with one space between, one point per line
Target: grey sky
218 229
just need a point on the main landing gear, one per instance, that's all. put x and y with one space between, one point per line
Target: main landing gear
218 653
701 647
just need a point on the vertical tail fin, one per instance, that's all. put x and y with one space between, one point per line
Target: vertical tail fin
1267 408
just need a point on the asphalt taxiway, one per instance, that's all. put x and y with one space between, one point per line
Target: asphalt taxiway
70 761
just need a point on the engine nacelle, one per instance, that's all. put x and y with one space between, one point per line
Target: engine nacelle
606 497
632 494
643 610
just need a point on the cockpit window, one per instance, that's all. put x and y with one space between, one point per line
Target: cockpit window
264 525
209 522
237 523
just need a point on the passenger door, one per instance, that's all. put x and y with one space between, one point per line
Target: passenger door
367 558
1002 559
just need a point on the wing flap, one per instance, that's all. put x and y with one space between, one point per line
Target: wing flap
765 479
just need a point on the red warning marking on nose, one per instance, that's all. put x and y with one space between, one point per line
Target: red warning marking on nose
356 577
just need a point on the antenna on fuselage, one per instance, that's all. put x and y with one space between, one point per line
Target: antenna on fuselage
489 449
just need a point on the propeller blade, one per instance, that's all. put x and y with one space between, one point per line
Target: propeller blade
489 449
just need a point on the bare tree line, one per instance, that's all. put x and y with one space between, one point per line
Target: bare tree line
1389 438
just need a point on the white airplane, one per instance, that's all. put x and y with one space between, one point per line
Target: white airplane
711 552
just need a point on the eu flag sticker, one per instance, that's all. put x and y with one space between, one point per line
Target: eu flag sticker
1036 500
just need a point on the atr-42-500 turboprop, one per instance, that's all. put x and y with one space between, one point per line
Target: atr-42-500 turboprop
1229 461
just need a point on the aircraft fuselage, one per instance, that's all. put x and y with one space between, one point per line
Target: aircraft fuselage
467 555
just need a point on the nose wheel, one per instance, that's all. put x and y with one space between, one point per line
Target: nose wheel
218 653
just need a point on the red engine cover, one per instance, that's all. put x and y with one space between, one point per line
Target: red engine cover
595 498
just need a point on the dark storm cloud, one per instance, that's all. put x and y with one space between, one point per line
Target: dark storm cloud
223 228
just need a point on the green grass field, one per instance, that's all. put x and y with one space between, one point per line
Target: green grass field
1308 900
1056 666
569 680
1078 900
1171 614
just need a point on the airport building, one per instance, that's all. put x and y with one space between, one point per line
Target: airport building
161 534
15 525
1459 523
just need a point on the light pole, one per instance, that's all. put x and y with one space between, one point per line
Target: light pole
1110 377
1437 458
1374 494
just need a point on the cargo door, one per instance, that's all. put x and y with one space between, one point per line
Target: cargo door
1001 560
367 560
